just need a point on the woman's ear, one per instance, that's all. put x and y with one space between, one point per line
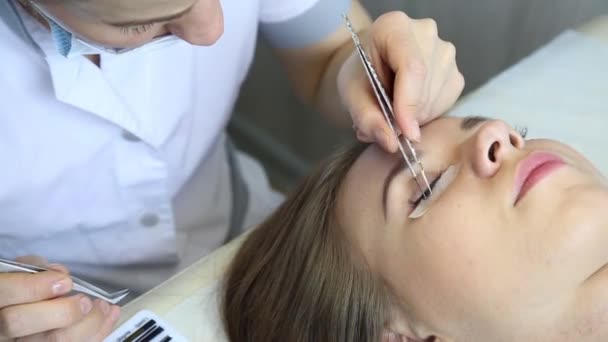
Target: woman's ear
399 329
391 336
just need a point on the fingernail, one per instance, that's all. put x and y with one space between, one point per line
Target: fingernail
61 286
85 304
104 306
415 131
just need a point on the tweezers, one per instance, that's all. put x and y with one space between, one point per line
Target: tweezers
387 109
79 285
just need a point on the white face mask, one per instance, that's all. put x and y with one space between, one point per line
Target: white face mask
69 45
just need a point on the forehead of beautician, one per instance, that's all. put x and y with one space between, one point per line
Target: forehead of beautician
129 23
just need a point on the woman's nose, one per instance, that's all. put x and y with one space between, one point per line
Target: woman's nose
493 142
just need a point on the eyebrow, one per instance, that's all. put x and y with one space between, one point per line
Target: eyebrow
468 123
152 20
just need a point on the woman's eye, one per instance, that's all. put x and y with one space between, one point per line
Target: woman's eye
438 185
427 192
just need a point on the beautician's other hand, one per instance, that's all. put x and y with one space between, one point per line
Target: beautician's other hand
33 307
415 66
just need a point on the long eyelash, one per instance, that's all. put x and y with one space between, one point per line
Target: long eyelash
522 130
139 29
426 193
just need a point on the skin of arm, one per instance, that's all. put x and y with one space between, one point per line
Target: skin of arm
313 70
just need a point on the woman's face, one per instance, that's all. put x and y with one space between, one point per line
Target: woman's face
503 252
122 24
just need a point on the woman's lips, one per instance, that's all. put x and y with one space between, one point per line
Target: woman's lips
534 168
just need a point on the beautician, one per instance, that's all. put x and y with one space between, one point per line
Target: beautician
114 156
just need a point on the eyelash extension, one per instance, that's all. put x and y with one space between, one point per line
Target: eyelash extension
522 130
139 29
426 193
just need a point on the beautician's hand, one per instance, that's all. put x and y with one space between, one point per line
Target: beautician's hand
415 66
33 307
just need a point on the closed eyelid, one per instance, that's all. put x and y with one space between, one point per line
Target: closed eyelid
399 166
467 124
439 185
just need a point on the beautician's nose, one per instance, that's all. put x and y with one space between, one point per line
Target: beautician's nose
493 142
200 26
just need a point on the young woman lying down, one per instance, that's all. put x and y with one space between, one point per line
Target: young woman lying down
511 246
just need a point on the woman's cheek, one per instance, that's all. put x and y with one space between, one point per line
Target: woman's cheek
453 243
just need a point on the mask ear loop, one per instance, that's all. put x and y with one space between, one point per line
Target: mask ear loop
61 37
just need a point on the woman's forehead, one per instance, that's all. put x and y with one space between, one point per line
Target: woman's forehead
130 10
361 191
371 166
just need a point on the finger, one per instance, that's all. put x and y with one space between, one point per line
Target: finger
449 93
408 98
95 327
401 52
32 260
91 328
379 132
37 260
109 323
367 117
22 288
443 71
426 33
29 319
425 100
363 137
59 268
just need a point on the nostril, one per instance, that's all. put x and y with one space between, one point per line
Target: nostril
516 139
492 151
513 140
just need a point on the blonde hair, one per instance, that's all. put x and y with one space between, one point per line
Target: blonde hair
297 278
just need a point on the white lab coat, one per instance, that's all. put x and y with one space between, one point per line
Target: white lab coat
124 164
